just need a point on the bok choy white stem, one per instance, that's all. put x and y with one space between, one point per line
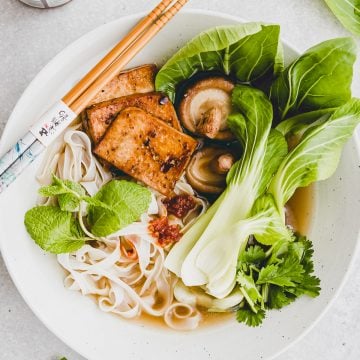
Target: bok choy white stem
248 178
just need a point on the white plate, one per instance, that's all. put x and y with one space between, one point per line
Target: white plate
76 319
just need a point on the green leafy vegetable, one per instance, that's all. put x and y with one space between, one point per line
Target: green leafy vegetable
276 150
69 193
208 252
305 254
319 79
278 280
348 13
297 124
249 317
278 297
317 156
119 204
277 250
309 286
270 226
248 51
252 255
54 230
287 273
251 123
116 205
249 289
313 95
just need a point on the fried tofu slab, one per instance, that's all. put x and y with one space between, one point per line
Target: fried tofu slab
100 116
133 81
147 149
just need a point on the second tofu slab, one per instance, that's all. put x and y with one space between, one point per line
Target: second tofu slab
147 149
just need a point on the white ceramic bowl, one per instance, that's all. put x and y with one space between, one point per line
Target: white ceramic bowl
76 319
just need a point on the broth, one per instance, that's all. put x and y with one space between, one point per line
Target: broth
208 319
301 206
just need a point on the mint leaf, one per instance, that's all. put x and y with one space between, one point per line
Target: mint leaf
71 200
51 190
54 230
250 318
287 273
59 187
95 202
119 203
104 221
68 202
69 193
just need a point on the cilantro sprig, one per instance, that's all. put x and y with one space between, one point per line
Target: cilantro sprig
273 278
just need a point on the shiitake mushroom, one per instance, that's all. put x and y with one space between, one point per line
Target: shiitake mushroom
205 106
208 168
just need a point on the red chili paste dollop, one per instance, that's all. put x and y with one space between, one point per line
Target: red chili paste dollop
165 233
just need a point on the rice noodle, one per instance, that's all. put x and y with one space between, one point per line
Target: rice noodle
89 265
181 316
71 158
124 283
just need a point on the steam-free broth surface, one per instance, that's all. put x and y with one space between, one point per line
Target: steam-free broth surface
208 319
302 208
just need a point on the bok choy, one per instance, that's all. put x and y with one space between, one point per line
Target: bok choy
348 13
251 123
248 51
242 243
317 155
319 79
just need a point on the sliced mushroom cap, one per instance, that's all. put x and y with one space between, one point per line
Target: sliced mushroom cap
207 170
206 106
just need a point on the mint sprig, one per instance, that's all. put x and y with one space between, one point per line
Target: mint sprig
69 193
56 228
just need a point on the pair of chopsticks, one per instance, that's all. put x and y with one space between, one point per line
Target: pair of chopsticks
75 101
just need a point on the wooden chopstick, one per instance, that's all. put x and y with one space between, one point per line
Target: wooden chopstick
80 104
28 139
22 153
95 72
